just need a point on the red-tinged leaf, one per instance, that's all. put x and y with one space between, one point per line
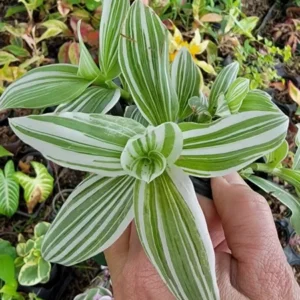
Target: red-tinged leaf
63 7
294 92
93 38
63 53
74 53
211 18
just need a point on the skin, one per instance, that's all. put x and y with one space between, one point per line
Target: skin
250 263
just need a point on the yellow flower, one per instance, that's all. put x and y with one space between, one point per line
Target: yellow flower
195 47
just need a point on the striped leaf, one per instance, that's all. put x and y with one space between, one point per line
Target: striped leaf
43 87
9 190
113 16
231 143
144 60
94 99
38 189
236 93
91 143
92 219
296 163
87 67
173 232
199 106
186 79
133 112
292 202
145 157
258 100
221 85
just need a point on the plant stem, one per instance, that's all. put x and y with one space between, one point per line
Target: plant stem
124 94
259 167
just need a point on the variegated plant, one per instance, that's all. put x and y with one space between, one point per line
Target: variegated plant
141 162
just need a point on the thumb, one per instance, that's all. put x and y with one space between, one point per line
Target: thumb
258 262
246 218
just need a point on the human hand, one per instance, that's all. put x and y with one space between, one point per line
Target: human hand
250 263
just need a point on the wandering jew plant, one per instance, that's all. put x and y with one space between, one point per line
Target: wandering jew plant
141 163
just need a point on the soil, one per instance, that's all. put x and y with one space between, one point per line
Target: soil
257 8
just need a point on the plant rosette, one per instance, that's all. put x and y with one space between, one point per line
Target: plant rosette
33 269
141 163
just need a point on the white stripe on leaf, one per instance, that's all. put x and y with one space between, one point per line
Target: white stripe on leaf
94 99
43 87
231 143
92 219
144 61
173 232
91 143
113 15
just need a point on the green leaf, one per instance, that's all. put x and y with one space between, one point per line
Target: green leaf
144 61
198 8
173 232
186 79
113 16
41 229
23 249
9 191
231 143
92 219
133 112
43 87
292 202
87 67
28 275
273 159
258 100
7 249
236 93
94 99
7 270
4 152
246 26
54 28
94 142
6 58
44 269
145 157
14 10
17 50
289 175
221 85
38 189
199 106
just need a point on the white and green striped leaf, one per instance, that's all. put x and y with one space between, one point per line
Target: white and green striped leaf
174 234
144 61
9 190
296 163
38 188
95 293
43 87
87 67
237 93
199 106
186 79
94 99
87 142
113 16
231 143
221 85
92 219
292 202
146 156
258 100
133 112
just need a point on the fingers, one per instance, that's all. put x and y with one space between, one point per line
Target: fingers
261 266
246 218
